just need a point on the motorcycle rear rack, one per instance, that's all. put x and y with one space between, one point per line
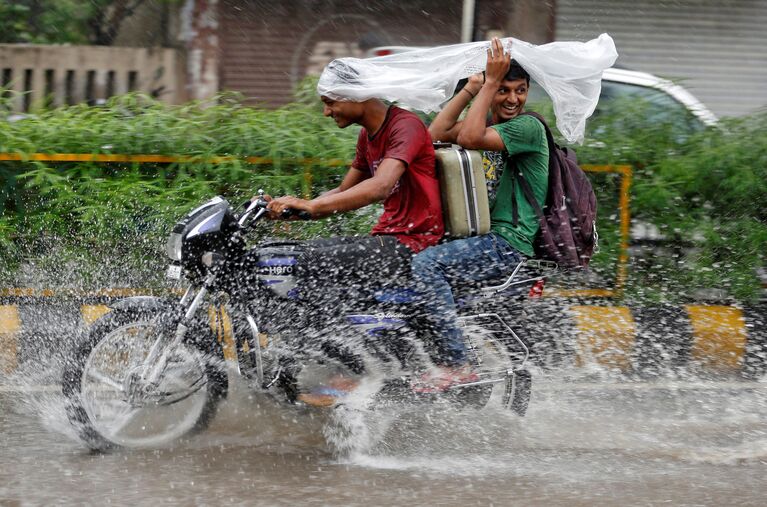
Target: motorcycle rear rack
516 396
540 269
498 318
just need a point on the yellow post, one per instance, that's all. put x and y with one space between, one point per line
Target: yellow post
626 173
221 324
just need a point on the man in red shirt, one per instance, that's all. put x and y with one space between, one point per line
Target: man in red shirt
394 163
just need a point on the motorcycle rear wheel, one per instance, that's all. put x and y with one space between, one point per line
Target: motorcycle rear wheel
491 358
96 384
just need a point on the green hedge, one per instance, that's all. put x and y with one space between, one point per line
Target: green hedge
75 218
88 224
706 192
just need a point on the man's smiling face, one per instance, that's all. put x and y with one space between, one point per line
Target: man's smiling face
344 113
509 100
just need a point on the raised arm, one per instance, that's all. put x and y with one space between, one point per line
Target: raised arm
446 126
474 133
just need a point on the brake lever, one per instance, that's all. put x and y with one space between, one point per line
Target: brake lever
259 204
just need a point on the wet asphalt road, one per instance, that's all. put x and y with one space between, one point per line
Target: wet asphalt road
582 444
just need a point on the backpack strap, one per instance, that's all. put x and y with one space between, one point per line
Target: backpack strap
524 185
514 211
529 196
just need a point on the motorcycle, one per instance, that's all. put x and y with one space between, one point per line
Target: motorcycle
152 369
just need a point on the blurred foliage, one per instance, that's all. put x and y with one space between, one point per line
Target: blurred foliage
64 21
703 188
118 214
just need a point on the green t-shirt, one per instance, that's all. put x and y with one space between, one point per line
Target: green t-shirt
526 146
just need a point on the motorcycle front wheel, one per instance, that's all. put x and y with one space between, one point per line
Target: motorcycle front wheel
106 405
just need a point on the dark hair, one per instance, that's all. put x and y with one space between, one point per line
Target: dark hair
516 72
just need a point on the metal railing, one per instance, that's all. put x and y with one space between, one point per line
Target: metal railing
55 75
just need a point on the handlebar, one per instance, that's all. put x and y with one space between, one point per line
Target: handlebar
301 214
259 206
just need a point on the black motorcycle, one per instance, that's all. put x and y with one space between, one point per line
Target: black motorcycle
153 369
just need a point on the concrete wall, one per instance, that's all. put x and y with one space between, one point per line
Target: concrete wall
531 20
153 24
60 74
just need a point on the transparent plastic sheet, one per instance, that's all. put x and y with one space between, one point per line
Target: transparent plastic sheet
424 79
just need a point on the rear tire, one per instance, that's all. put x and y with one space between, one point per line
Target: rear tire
491 358
94 381
523 385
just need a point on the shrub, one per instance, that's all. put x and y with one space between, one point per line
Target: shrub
104 224
117 214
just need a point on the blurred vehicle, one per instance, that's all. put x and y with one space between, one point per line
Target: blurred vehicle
666 97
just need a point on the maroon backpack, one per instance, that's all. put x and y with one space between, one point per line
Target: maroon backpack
568 232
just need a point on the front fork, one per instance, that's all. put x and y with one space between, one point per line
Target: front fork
157 359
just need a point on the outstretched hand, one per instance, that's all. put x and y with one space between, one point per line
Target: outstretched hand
498 62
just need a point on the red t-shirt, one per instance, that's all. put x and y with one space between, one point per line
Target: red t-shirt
413 209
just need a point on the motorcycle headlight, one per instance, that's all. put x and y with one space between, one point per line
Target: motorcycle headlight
173 247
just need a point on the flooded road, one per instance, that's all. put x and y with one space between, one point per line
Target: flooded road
582 444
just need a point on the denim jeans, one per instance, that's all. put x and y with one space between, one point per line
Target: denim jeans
437 268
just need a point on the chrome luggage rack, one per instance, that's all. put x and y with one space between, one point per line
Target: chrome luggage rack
517 379
517 392
540 269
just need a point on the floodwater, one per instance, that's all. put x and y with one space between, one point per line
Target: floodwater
582 443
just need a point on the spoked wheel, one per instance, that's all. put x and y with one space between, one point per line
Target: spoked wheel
110 406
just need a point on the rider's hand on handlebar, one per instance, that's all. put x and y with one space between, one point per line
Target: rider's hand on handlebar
278 206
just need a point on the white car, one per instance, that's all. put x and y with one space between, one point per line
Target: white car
622 82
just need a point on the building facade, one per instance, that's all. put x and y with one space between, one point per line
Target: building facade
265 49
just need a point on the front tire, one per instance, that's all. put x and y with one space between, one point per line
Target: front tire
96 378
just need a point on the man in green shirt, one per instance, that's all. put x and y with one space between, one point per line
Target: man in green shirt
511 141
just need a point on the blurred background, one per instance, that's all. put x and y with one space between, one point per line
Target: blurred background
192 49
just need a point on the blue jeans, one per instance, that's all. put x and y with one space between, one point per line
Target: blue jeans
436 268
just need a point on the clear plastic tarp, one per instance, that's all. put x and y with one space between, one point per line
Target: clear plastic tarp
424 79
